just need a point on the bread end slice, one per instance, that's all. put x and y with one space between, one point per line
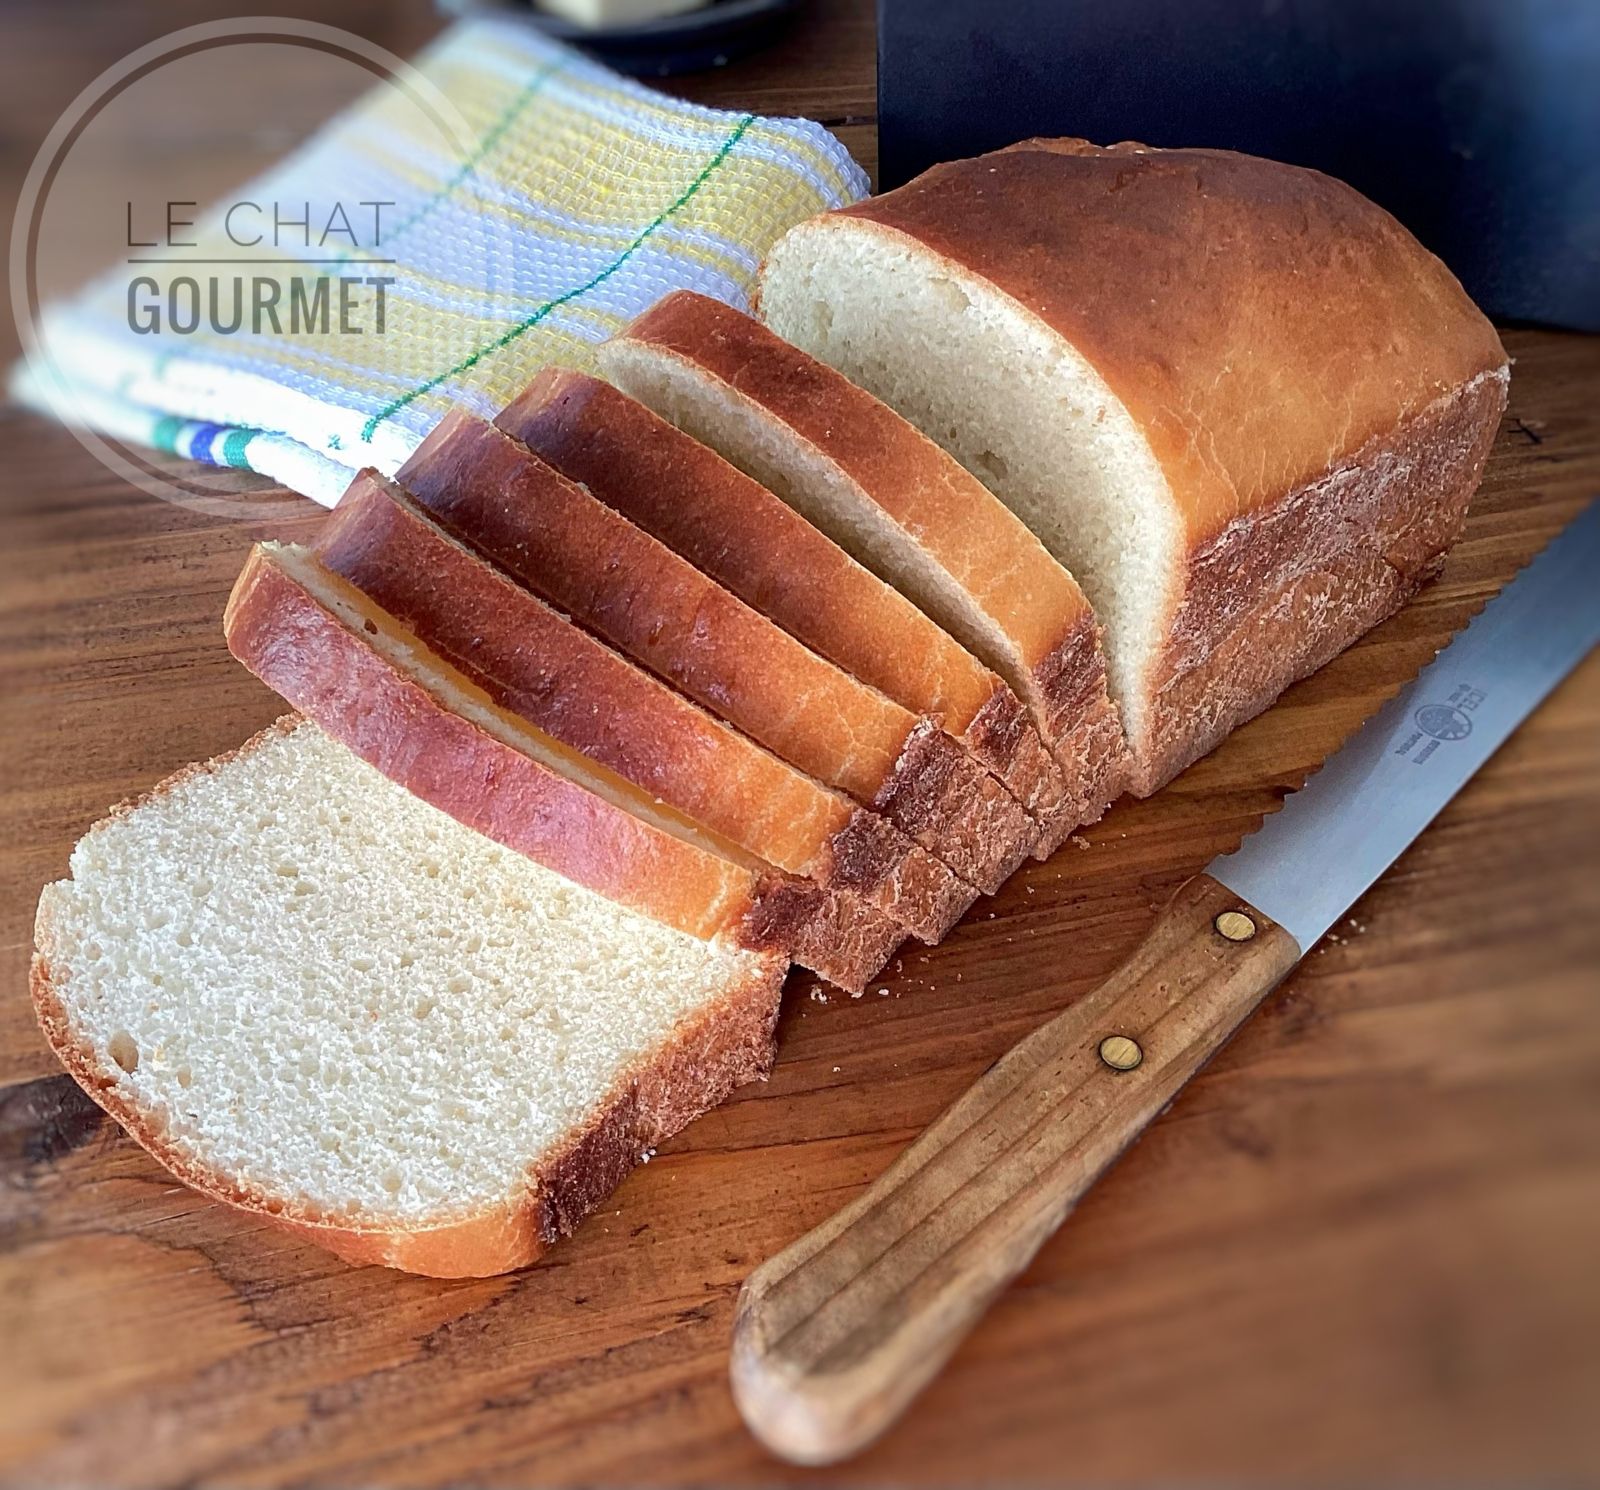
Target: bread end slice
440 1057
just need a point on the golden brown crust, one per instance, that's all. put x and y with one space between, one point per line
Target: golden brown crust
726 1044
907 881
535 663
826 928
942 509
1284 347
735 530
1003 739
1298 321
1086 738
550 534
1271 601
329 672
1094 755
982 832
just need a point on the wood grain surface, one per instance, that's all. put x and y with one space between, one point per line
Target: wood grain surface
1361 1246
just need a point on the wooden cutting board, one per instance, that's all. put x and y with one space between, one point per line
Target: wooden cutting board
1361 1245
1363 1242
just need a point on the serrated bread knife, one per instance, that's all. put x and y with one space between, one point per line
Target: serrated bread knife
834 1336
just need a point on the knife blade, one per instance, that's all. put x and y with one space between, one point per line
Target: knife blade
836 1335
1312 860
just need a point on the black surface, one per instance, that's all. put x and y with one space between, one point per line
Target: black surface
1476 122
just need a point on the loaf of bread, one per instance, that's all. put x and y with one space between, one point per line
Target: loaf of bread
604 732
901 506
731 528
312 995
353 669
614 578
537 664
1236 399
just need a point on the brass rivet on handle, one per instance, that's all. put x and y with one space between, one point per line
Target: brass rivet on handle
1120 1053
1235 925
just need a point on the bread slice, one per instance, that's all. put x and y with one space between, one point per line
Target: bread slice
313 996
361 676
1240 402
730 527
535 663
902 507
614 578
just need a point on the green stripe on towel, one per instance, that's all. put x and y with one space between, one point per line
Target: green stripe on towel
688 194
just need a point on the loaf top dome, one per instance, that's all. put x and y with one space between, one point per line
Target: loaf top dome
1260 322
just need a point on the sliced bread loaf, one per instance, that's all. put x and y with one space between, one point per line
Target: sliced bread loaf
730 527
538 665
359 674
611 576
1239 401
311 995
901 506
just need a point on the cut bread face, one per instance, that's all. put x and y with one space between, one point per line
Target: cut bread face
680 491
899 504
1224 391
559 540
350 666
534 662
1026 415
312 995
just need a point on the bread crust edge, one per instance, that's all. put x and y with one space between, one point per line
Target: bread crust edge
1388 538
727 1045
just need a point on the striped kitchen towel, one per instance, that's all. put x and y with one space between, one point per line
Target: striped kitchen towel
511 206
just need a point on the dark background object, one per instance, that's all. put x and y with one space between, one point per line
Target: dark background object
1476 122
718 34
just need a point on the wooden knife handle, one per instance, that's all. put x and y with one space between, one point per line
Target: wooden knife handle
834 1336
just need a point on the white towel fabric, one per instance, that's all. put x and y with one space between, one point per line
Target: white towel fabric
574 201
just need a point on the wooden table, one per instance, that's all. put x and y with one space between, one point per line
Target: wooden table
1364 1245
